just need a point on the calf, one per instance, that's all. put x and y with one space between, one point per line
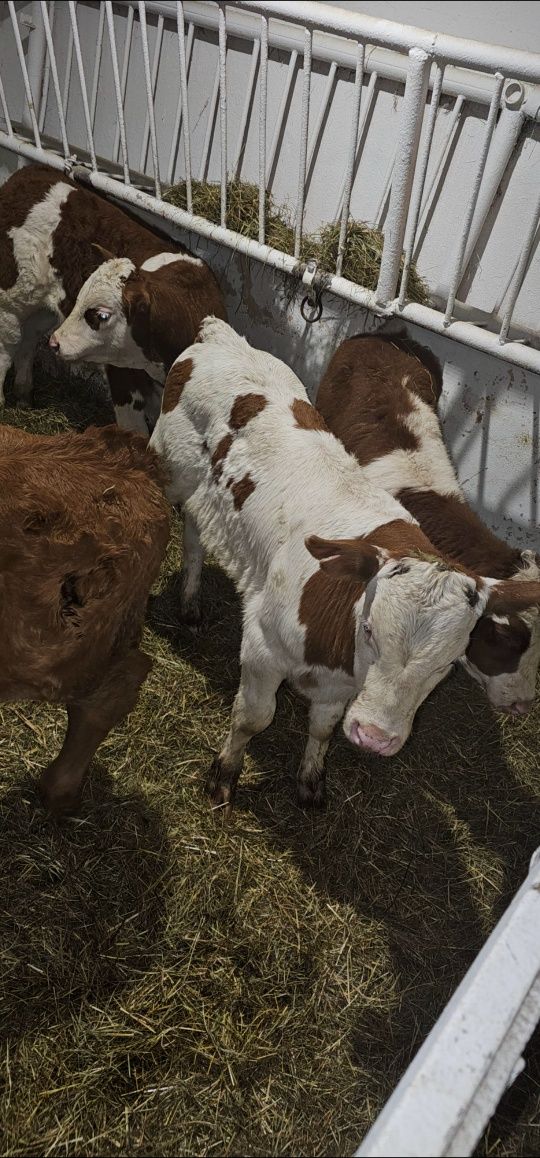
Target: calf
83 529
53 236
343 595
379 396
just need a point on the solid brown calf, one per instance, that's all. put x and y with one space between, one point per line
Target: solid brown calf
83 529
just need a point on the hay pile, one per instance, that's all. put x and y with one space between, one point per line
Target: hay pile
363 245
169 986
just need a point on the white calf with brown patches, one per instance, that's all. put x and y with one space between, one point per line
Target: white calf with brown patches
379 396
341 593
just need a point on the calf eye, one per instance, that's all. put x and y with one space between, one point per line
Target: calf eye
367 630
94 317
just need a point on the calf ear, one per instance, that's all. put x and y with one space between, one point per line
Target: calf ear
105 254
512 595
136 297
347 558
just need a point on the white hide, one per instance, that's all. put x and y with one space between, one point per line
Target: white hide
161 259
306 484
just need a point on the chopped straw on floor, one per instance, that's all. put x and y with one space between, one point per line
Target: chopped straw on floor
172 986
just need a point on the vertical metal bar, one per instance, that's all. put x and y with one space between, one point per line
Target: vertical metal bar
519 274
304 124
67 77
263 95
291 70
26 78
84 93
418 187
222 37
247 105
46 73
155 69
349 174
410 125
452 129
97 64
54 72
366 109
149 95
473 198
328 89
379 213
5 110
182 109
123 82
117 88
212 105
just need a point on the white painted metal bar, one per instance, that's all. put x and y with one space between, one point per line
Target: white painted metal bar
84 92
419 179
5 110
47 72
67 75
505 138
521 269
149 95
473 198
291 72
24 71
36 56
54 72
304 125
222 42
387 185
412 111
247 105
349 173
97 64
155 69
182 108
452 128
263 94
323 108
212 106
117 85
473 1053
123 81
366 110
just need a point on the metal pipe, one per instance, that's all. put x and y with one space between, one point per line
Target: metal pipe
469 213
149 95
366 109
5 110
155 69
349 172
505 138
418 186
222 42
97 64
291 70
520 271
452 128
125 69
54 71
247 105
473 1053
24 70
84 93
212 105
67 76
36 58
263 92
182 110
304 123
117 87
410 125
47 72
323 107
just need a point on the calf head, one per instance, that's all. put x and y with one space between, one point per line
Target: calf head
415 622
504 650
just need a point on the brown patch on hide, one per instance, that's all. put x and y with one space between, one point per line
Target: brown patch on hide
241 491
218 458
327 613
165 307
457 532
306 416
496 648
178 376
125 382
20 193
244 408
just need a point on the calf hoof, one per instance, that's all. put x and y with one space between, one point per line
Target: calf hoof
311 795
221 789
58 796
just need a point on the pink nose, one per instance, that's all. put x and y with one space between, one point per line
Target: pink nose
372 737
521 707
54 343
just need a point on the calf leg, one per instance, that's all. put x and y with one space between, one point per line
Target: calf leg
33 329
253 711
90 720
193 559
311 781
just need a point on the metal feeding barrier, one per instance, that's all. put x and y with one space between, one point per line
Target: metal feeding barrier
81 89
60 64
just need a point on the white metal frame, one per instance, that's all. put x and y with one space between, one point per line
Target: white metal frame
502 78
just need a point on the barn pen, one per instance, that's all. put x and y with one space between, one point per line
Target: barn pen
272 1006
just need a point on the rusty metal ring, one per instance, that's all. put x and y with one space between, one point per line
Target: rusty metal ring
316 308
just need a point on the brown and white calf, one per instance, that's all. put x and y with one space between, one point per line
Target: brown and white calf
83 529
379 396
54 235
342 595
